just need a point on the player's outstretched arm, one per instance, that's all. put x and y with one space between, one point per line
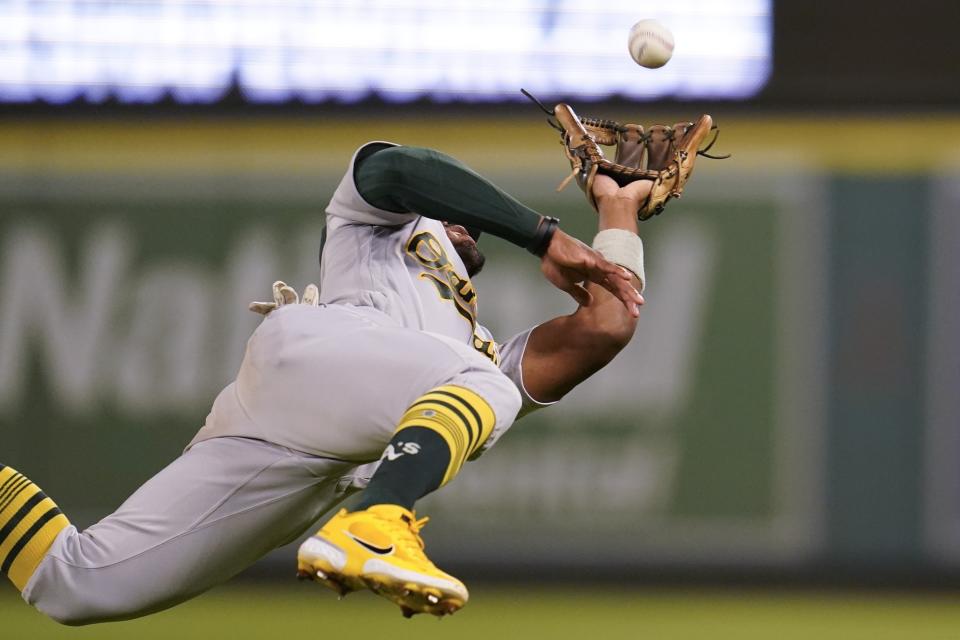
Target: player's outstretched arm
565 351
405 179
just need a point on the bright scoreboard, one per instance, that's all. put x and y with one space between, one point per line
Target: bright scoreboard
195 51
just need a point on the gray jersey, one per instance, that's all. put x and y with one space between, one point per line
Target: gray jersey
401 264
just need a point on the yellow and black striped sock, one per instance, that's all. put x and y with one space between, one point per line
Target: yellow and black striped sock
29 523
437 434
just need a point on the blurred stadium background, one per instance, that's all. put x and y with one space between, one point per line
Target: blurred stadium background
778 445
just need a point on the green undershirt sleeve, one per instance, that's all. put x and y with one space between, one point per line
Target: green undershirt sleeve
434 185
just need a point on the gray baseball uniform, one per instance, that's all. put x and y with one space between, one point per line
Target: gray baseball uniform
319 392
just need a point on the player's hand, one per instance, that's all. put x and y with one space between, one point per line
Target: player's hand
284 294
568 263
607 193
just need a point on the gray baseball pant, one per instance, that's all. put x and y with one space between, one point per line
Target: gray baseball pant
231 498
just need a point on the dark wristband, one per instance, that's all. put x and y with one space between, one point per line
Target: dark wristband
544 234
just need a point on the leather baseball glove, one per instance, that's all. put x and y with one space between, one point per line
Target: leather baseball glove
661 153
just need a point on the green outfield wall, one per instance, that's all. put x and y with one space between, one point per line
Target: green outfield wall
789 400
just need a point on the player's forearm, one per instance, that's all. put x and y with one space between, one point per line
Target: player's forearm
565 351
434 185
617 213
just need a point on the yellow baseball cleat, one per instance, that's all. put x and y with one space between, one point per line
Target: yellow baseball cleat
380 548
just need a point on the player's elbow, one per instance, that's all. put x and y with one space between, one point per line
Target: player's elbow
609 332
619 331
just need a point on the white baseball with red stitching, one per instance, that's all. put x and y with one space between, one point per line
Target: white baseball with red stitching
650 44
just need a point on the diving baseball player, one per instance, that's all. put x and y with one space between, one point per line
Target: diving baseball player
383 378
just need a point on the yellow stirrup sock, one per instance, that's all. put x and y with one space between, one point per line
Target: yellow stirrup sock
29 523
437 434
462 418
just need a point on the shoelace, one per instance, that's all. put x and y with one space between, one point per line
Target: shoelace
408 535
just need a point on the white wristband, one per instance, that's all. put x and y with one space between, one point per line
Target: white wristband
624 248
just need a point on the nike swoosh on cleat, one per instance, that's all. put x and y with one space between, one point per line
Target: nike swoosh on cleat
383 551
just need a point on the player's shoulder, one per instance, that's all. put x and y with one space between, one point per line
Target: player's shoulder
367 149
347 203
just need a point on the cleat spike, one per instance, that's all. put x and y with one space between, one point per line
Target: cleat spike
432 599
340 588
321 575
407 612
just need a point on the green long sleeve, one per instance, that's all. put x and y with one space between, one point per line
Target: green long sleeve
434 185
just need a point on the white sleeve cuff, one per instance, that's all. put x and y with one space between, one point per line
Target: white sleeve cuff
624 248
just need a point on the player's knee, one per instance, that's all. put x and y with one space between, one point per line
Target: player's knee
81 614
499 393
72 616
78 609
506 402
512 400
74 621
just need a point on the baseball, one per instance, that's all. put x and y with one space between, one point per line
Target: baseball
650 44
